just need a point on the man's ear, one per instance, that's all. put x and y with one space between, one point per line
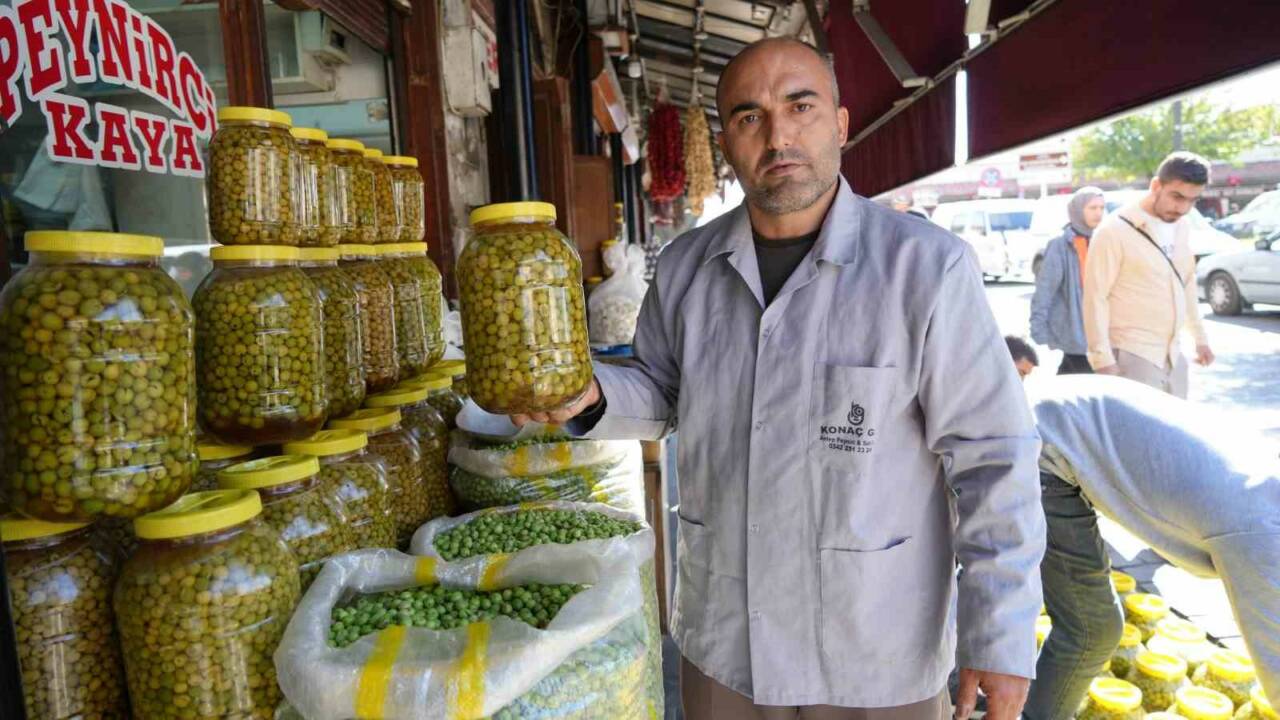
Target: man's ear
842 119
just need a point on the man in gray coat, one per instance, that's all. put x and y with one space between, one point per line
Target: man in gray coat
1057 311
850 428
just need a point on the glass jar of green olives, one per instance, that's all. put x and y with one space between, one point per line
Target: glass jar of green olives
383 197
60 596
215 457
297 505
432 434
440 394
1145 611
312 204
1259 707
455 368
97 379
1230 673
377 315
1198 703
1111 699
343 346
358 479
416 283
251 178
523 314
201 607
1184 639
1127 653
1158 677
407 188
259 347
351 208
410 501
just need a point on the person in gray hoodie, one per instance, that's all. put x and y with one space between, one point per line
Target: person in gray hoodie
1057 315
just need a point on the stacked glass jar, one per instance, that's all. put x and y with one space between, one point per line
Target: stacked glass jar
376 295
417 288
410 501
344 374
358 479
432 434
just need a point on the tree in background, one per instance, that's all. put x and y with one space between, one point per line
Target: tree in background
1132 147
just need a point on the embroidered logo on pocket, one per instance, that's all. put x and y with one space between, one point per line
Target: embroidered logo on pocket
853 438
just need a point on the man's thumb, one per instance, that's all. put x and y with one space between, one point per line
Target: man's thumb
967 695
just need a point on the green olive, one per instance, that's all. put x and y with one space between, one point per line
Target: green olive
313 198
448 403
407 188
351 211
250 182
377 322
309 521
1237 691
419 336
410 501
343 347
1157 693
432 434
359 483
508 532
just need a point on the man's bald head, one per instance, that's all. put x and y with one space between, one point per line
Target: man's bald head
742 61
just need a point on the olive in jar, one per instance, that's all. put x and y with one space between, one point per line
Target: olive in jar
251 178
1158 677
351 210
407 187
1230 673
432 434
313 190
419 336
1144 611
410 501
343 345
1111 699
377 315
388 222
358 479
1200 703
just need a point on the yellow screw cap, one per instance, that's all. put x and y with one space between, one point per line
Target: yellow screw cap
199 513
403 160
16 528
1132 636
229 253
345 144
1232 666
509 211
1262 704
1147 607
1160 666
318 254
1123 583
373 153
268 472
233 113
1198 703
354 250
1116 696
1180 631
402 249
93 243
368 419
209 451
453 368
329 442
312 134
396 397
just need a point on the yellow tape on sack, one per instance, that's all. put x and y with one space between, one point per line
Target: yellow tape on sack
520 461
375 677
493 566
424 573
465 692
562 455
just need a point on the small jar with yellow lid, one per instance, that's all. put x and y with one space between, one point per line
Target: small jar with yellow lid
215 457
377 315
429 429
1111 699
1145 611
251 178
1199 703
407 188
524 320
1158 677
1128 651
456 368
1230 673
390 440
313 189
297 505
259 347
358 480
344 379
440 394
201 607
97 379
416 285
351 210
1184 639
1259 707
1043 626
60 598
1124 584
383 197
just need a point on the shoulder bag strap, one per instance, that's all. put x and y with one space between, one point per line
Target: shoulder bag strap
1156 245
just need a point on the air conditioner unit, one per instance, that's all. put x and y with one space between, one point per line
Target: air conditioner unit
322 38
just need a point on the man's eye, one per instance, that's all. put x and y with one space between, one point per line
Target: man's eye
749 118
803 107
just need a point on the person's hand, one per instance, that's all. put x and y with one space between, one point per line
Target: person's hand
1006 694
1204 356
1112 369
564 414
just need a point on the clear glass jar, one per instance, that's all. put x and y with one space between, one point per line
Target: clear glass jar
201 607
383 197
343 346
312 201
216 457
97 379
1259 707
60 598
251 178
297 505
1230 673
432 434
358 479
351 209
259 347
410 502
440 395
419 334
1127 653
1200 703
523 313
432 299
377 315
1111 699
407 188
1158 677
1184 639
1145 611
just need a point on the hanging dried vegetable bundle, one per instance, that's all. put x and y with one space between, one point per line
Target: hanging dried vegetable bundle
666 153
699 167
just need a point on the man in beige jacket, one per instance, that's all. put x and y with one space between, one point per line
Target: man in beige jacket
1140 282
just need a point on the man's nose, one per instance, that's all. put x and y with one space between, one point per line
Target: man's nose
781 132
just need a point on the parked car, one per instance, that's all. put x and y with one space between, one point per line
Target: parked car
1231 282
997 230
1261 217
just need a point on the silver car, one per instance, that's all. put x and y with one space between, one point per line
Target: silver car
1233 281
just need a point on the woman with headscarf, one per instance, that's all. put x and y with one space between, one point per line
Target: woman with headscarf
1057 315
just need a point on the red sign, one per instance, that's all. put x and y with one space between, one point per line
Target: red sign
131 50
1044 161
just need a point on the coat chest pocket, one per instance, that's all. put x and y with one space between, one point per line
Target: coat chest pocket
847 408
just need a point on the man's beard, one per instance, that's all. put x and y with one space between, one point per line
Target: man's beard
792 194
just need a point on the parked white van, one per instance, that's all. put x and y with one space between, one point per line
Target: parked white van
998 230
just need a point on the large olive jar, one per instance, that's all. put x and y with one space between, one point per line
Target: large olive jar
60 595
377 315
201 607
259 347
351 210
432 434
251 178
97 379
395 444
407 188
383 197
523 314
440 395
343 346
419 333
312 201
358 479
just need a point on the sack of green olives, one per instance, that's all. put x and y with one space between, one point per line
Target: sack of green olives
532 456
589 658
617 481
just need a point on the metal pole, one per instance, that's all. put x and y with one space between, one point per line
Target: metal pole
12 706
583 132
530 166
516 117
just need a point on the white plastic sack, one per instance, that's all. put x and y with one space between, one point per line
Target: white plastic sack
614 306
619 485
591 660
531 456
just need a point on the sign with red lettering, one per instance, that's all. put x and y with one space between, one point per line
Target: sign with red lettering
45 45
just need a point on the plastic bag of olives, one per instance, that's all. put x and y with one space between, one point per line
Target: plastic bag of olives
533 456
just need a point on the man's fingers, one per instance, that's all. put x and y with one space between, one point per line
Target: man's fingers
1002 705
967 695
519 420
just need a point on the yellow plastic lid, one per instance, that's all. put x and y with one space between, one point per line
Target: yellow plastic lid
329 442
1262 704
199 513
402 249
368 419
355 250
404 160
453 367
608 243
1043 626
1115 695
314 134
344 144
595 280
1199 703
1232 666
93 243
317 254
227 253
373 153
16 528
268 472
208 451
429 382
507 211
1180 631
1132 636
1146 606
403 395
1122 582
1161 666
233 113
